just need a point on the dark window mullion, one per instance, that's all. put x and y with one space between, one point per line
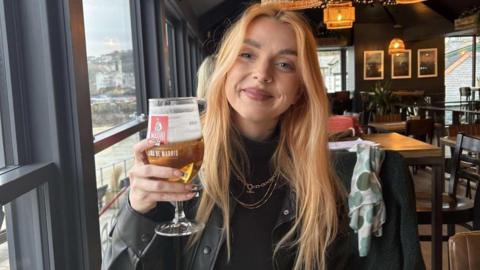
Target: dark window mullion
18 181
474 59
343 68
112 136
138 57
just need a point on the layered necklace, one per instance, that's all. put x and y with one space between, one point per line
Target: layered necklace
270 182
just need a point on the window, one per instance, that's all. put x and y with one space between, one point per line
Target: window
477 66
108 37
113 91
337 67
2 148
330 65
459 60
112 165
172 63
4 261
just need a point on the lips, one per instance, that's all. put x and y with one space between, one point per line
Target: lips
256 94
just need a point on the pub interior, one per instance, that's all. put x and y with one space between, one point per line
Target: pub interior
76 77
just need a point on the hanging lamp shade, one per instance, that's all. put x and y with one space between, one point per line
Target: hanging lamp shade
294 4
405 2
339 15
396 46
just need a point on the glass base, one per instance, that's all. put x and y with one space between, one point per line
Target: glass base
180 228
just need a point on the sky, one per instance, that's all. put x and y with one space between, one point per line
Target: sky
107 26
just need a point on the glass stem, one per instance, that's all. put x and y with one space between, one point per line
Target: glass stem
179 214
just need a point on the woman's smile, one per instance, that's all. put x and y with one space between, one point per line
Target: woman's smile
256 94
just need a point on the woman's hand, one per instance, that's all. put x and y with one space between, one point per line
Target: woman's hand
147 184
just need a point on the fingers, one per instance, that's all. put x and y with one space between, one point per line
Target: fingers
158 186
155 171
140 148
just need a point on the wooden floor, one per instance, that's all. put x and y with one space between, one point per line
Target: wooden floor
422 184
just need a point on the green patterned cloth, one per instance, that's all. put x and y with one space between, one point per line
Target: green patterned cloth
365 201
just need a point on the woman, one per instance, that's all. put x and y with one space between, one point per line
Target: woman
270 200
203 75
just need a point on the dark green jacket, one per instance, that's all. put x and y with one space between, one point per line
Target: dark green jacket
133 244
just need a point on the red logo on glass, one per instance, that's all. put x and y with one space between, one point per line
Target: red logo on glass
159 128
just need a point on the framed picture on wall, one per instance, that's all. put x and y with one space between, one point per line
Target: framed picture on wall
373 65
402 65
427 63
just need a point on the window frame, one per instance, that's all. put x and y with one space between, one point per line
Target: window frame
50 145
475 69
343 66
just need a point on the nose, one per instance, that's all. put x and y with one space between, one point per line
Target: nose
262 72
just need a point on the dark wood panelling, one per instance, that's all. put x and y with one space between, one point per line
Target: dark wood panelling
377 37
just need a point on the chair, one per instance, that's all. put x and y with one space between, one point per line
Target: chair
455 209
468 129
340 102
388 118
464 251
420 129
465 92
398 247
338 124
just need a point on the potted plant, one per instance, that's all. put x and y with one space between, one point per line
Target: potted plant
381 99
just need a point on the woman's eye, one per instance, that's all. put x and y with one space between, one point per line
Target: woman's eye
246 55
286 66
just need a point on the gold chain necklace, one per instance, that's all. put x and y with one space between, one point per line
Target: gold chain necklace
250 187
265 197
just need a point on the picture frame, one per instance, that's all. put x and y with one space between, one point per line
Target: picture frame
427 60
373 65
401 65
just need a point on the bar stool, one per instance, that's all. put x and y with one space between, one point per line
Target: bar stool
467 93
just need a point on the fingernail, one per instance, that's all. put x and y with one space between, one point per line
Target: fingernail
151 141
197 194
189 187
178 173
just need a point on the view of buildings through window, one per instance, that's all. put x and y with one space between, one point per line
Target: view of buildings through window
108 37
459 66
330 66
477 71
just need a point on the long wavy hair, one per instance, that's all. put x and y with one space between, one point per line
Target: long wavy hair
302 155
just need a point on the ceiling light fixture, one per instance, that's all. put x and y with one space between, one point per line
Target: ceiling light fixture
397 45
405 2
294 4
339 15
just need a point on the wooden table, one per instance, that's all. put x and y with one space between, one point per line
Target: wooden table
417 152
389 126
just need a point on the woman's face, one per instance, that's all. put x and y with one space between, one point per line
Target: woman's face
263 83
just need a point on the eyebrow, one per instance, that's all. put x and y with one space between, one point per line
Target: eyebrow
257 45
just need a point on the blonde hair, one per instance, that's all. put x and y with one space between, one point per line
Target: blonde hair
203 75
302 155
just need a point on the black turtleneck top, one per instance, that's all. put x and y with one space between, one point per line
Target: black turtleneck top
251 229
